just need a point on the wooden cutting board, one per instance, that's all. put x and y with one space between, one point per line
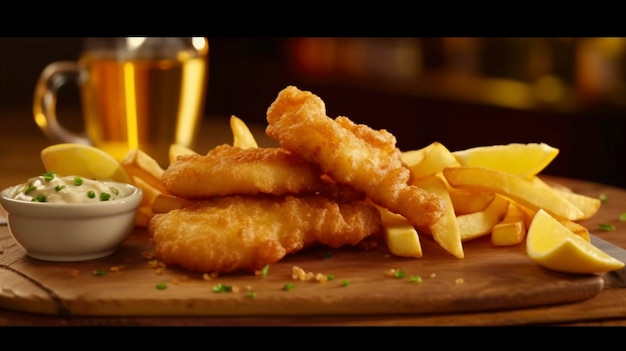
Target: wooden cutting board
486 279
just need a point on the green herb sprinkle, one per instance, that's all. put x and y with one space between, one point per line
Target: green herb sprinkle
48 176
606 227
78 181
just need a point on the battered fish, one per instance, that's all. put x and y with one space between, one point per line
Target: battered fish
357 155
228 170
232 233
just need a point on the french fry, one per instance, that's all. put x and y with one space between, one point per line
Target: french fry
164 203
401 238
176 150
144 213
474 225
149 192
445 231
519 189
512 229
242 137
139 164
467 201
588 205
403 241
429 160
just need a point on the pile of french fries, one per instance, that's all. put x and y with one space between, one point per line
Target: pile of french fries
481 201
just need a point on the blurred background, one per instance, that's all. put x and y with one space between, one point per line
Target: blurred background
462 92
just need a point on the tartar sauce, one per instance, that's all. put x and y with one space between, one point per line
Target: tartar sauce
69 189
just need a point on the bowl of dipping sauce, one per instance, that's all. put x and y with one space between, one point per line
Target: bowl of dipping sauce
69 218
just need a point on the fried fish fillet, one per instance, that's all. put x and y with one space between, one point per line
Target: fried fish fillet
228 170
232 233
353 154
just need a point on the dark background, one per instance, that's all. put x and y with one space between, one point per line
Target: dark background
448 93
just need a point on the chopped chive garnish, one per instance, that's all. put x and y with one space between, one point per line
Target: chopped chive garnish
78 181
345 283
327 255
622 216
161 286
606 227
251 294
91 194
59 187
220 288
99 272
399 274
602 197
105 197
289 286
265 270
416 279
39 198
29 188
330 277
48 176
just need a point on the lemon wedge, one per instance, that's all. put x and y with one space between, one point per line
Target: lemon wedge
524 160
82 160
554 246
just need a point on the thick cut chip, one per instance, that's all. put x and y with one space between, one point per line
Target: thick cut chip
429 160
164 203
512 229
178 150
401 238
524 160
587 204
445 230
516 188
242 136
474 225
403 241
142 165
554 246
144 213
83 160
468 201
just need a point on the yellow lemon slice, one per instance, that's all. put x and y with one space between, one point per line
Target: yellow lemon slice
524 160
82 160
554 246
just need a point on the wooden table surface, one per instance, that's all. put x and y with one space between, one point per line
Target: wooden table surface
21 142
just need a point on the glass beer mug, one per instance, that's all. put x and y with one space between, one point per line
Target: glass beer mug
136 93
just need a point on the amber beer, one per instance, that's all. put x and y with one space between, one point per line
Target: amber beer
141 103
136 93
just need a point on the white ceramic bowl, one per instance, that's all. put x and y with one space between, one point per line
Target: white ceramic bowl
70 232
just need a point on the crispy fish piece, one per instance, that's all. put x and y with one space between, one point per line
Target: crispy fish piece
353 154
232 233
228 170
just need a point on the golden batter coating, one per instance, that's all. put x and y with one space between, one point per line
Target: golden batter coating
352 154
231 233
229 170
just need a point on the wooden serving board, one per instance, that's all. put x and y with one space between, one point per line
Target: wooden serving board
486 279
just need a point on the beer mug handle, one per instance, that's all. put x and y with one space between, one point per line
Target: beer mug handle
52 78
